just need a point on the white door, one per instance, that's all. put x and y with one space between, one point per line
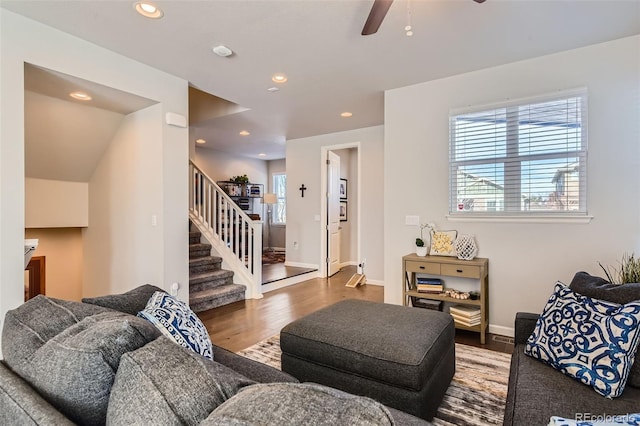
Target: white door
333 213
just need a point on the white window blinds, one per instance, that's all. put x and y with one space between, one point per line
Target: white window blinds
522 158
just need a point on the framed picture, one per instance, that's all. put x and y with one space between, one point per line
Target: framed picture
442 243
343 189
343 211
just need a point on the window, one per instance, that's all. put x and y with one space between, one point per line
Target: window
279 216
521 158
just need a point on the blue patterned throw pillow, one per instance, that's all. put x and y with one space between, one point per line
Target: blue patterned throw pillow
588 339
178 322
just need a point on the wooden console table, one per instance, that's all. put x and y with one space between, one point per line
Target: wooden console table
477 269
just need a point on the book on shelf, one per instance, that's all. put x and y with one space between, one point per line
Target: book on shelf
465 311
432 281
427 288
466 321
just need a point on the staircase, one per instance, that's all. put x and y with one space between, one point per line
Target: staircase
210 286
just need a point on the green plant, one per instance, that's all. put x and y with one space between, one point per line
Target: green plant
629 271
240 179
419 242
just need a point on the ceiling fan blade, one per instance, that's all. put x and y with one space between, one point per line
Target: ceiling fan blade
378 12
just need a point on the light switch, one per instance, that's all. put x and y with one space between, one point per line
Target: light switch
412 220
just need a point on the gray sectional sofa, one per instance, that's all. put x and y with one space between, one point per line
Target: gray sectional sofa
96 363
537 391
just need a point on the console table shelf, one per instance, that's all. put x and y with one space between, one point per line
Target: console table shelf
476 269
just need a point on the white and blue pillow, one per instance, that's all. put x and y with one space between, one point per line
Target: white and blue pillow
591 340
177 321
599 420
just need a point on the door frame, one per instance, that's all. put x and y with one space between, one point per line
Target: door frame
323 201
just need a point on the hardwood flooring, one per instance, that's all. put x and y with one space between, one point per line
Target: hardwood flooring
242 324
278 271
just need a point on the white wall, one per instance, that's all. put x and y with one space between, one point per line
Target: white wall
56 204
23 40
304 164
525 259
220 165
123 248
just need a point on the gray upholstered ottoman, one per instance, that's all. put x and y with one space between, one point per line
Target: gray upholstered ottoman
403 357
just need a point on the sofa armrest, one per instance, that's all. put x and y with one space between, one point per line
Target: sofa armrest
261 373
524 325
21 404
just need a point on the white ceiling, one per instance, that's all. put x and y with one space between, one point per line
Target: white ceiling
317 44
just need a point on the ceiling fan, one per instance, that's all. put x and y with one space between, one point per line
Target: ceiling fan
378 12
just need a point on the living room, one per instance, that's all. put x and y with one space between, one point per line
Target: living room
405 169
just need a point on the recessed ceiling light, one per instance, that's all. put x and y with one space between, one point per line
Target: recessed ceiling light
262 154
244 133
200 141
148 10
272 89
279 78
81 96
346 114
222 50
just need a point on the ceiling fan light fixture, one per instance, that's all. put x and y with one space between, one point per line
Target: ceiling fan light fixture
148 10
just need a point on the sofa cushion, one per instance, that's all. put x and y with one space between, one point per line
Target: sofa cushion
178 322
75 370
21 405
298 404
130 302
537 392
599 288
35 322
165 381
591 340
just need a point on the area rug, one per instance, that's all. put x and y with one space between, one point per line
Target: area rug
271 257
475 397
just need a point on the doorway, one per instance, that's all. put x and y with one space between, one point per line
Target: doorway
345 204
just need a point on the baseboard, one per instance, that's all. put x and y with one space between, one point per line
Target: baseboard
349 263
289 281
301 265
374 282
503 331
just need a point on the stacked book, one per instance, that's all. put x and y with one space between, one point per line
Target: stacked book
465 315
429 285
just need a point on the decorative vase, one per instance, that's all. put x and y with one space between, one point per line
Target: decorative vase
421 251
466 247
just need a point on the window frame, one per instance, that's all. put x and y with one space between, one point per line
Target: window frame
509 213
274 175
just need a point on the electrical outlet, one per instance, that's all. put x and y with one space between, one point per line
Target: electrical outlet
295 245
174 289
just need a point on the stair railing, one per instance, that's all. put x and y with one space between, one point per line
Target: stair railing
232 233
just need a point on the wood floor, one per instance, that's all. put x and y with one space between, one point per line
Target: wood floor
245 323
